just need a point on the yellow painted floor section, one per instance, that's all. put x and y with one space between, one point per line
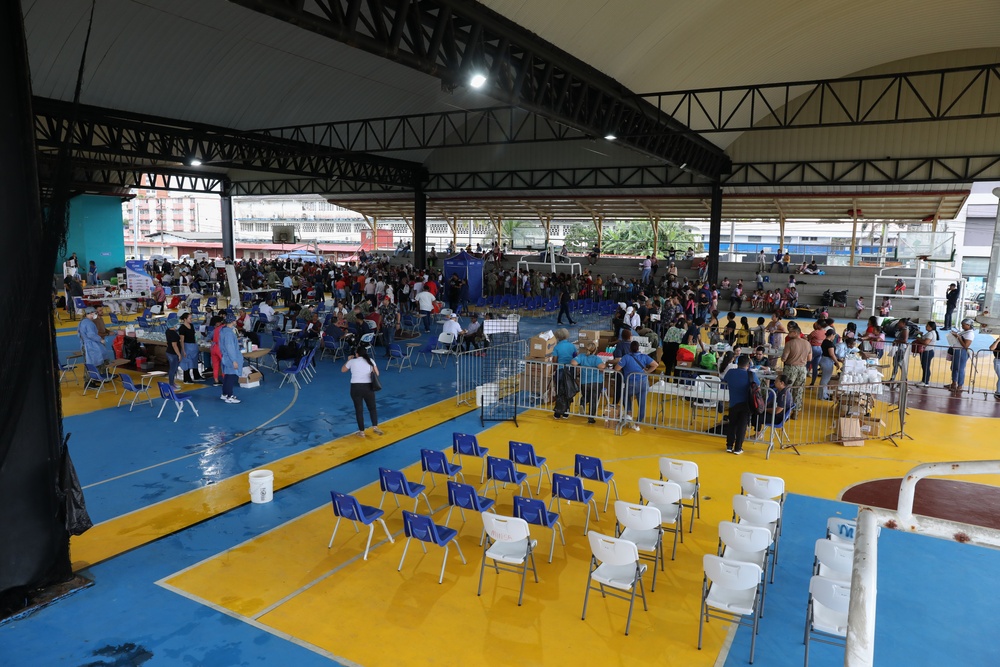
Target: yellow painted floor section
74 402
110 538
287 579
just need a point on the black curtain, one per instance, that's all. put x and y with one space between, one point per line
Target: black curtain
34 543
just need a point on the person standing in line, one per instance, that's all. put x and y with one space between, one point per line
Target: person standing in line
924 347
995 349
738 381
794 357
232 360
634 366
216 324
960 341
828 362
362 368
389 316
951 303
562 354
816 338
590 379
425 303
902 349
189 362
175 352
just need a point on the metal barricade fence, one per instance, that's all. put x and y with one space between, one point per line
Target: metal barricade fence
690 402
477 368
936 364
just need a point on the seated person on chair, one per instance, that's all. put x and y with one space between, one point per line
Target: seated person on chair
474 334
779 403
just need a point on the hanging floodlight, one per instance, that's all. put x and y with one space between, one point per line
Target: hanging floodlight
477 80
194 162
610 136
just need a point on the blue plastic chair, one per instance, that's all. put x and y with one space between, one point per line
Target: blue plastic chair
465 497
524 454
128 384
503 471
567 487
423 528
435 462
346 506
399 358
168 394
533 511
395 482
94 376
294 372
590 467
467 445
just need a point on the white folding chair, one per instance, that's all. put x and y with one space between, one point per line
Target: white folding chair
841 530
641 525
730 591
762 513
826 612
684 473
747 544
666 497
614 564
833 560
764 486
444 349
510 547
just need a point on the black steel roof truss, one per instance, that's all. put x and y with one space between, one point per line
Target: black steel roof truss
136 137
449 38
472 127
957 93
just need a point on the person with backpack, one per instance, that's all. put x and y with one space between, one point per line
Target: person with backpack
740 382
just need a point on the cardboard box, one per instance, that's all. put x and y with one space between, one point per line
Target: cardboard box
541 346
849 432
589 336
872 428
250 381
537 381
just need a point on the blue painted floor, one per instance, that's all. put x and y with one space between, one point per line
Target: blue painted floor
932 605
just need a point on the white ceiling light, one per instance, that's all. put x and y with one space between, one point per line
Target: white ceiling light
478 80
610 136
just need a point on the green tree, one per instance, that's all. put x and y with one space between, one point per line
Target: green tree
630 238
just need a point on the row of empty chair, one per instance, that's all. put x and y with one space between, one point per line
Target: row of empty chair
616 565
830 585
735 579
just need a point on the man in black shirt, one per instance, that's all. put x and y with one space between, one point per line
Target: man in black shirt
174 354
951 298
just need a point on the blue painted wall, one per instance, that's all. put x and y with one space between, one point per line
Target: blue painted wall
95 233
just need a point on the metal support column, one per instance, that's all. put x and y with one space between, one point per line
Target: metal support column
854 235
226 207
34 543
715 234
419 227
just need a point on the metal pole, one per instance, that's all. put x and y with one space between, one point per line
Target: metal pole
715 234
226 208
419 227
860 650
854 235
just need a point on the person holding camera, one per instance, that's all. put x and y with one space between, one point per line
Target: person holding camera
363 373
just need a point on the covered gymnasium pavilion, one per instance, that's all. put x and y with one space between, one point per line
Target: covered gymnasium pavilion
635 110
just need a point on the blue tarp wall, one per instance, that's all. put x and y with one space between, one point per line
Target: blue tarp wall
468 268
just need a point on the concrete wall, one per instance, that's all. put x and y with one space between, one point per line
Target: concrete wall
95 233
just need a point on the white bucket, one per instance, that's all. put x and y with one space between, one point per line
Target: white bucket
261 486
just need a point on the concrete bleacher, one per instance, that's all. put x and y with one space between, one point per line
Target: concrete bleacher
857 280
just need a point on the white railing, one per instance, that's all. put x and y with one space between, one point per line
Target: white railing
860 651
861 615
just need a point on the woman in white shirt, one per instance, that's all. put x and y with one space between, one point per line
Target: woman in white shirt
960 341
362 367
